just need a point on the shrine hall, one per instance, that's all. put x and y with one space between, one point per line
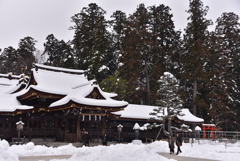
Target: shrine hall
58 103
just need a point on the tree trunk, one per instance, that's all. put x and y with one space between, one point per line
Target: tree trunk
147 83
163 127
194 96
169 126
194 99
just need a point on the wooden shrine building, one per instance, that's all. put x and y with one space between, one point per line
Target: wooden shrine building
59 103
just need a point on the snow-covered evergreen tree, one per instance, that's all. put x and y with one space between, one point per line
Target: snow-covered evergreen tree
168 101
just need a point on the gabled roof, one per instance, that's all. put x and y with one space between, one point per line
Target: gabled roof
84 95
143 112
70 88
55 80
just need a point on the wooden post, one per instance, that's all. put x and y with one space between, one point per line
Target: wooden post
4 127
30 134
4 123
56 123
27 125
78 128
65 127
90 134
44 137
103 124
43 127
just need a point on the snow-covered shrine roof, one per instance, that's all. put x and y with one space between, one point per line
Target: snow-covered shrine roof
75 88
189 117
9 103
56 80
71 84
79 95
9 83
143 112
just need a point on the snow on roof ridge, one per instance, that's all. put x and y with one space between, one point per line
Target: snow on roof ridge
83 84
41 66
12 76
111 94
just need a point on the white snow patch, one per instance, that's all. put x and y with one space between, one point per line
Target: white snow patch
122 152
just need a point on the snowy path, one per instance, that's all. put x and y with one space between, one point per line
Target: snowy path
48 158
182 158
45 158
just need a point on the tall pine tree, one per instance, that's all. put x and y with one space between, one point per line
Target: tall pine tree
136 57
195 53
25 54
228 33
91 41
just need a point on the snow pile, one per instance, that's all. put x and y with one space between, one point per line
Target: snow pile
120 152
123 152
5 154
30 149
212 150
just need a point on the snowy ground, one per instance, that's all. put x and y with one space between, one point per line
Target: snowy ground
122 152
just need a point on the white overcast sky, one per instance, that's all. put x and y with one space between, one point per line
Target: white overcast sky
39 18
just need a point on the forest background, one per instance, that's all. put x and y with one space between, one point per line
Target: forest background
128 55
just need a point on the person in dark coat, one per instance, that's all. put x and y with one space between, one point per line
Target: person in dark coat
85 138
171 144
104 139
179 143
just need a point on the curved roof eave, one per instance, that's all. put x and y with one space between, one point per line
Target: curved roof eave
144 110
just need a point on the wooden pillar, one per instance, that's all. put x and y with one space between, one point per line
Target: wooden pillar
30 134
38 123
56 123
4 127
90 134
4 123
44 137
78 128
42 126
27 125
103 124
65 127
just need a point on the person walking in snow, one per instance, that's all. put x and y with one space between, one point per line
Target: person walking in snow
171 144
178 143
